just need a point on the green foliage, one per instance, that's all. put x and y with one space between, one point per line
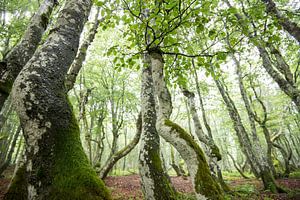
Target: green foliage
245 189
295 174
183 196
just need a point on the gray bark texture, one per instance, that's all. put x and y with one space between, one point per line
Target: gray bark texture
16 59
291 27
56 166
156 184
81 54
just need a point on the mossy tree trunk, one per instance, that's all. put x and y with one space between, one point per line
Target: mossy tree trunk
56 166
204 184
16 59
156 184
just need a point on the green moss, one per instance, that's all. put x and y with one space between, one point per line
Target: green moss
18 187
204 183
73 177
295 174
163 188
216 152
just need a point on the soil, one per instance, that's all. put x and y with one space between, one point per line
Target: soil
128 187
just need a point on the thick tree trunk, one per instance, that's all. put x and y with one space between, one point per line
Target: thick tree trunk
123 152
56 165
22 52
291 27
155 182
204 184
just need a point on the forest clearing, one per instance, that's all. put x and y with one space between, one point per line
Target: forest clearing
154 100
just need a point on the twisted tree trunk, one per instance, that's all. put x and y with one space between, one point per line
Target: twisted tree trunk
204 184
56 166
16 59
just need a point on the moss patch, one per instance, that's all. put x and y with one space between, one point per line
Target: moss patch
216 152
73 177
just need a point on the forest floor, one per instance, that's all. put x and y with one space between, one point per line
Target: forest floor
128 188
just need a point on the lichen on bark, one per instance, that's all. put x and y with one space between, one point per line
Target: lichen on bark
56 165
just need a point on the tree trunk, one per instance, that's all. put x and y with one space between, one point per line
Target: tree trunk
56 165
22 52
289 89
258 165
81 54
291 27
204 184
237 167
123 152
251 118
155 182
214 150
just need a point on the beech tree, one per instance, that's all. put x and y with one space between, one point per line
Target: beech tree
56 166
16 59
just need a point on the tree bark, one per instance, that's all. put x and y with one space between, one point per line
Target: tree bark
214 150
16 59
155 182
56 165
204 184
291 27
81 54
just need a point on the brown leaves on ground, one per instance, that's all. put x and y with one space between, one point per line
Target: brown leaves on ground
128 188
